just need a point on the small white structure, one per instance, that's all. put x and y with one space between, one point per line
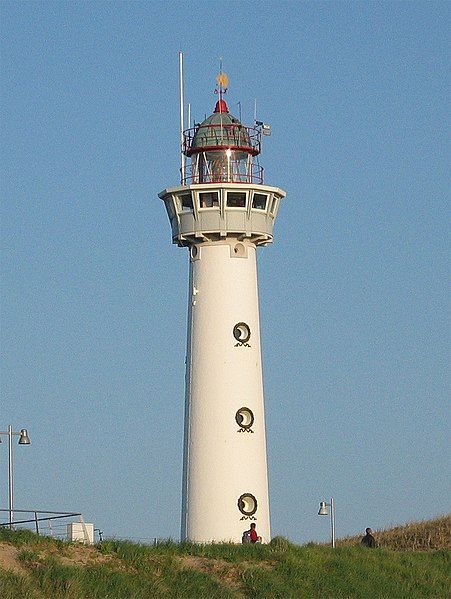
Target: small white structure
222 211
81 531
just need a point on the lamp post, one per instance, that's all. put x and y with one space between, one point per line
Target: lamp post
23 440
323 512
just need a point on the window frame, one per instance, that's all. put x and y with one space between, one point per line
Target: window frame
230 191
185 209
211 193
266 195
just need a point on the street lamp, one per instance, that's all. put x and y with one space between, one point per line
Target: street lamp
323 512
23 440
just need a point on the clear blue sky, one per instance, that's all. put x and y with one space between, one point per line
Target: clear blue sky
353 291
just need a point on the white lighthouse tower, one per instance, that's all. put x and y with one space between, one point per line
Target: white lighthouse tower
222 211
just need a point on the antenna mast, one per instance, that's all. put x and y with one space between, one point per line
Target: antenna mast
182 125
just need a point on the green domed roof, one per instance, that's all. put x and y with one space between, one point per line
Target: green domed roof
221 130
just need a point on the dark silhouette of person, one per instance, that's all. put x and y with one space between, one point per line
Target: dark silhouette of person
368 540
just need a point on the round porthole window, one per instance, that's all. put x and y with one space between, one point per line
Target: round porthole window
247 504
244 418
242 332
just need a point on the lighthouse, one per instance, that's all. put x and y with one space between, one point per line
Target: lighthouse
222 211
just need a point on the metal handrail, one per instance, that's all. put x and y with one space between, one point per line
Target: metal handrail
253 174
36 519
234 136
55 516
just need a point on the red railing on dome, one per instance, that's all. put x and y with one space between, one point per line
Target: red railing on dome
217 137
253 174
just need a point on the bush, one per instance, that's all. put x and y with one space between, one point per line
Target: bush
280 543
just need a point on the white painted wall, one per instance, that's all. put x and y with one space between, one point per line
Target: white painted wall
220 463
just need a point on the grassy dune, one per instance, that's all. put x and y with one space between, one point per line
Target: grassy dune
416 536
41 568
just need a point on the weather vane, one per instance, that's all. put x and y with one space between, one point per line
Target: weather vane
222 80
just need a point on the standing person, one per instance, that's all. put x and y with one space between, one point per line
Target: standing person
368 540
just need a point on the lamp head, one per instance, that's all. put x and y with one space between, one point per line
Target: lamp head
323 509
24 438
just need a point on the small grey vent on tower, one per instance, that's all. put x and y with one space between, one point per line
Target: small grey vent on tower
238 251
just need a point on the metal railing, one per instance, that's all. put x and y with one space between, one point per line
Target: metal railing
219 136
44 516
231 173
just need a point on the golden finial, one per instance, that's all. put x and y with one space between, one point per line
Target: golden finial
222 80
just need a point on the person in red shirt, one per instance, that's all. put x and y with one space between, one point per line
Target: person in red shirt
253 533
251 536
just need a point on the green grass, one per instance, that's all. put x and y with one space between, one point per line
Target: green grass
48 569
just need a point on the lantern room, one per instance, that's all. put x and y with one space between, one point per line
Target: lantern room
222 150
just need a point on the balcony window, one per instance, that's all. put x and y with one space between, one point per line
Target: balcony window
236 199
259 201
186 202
170 207
273 206
209 200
